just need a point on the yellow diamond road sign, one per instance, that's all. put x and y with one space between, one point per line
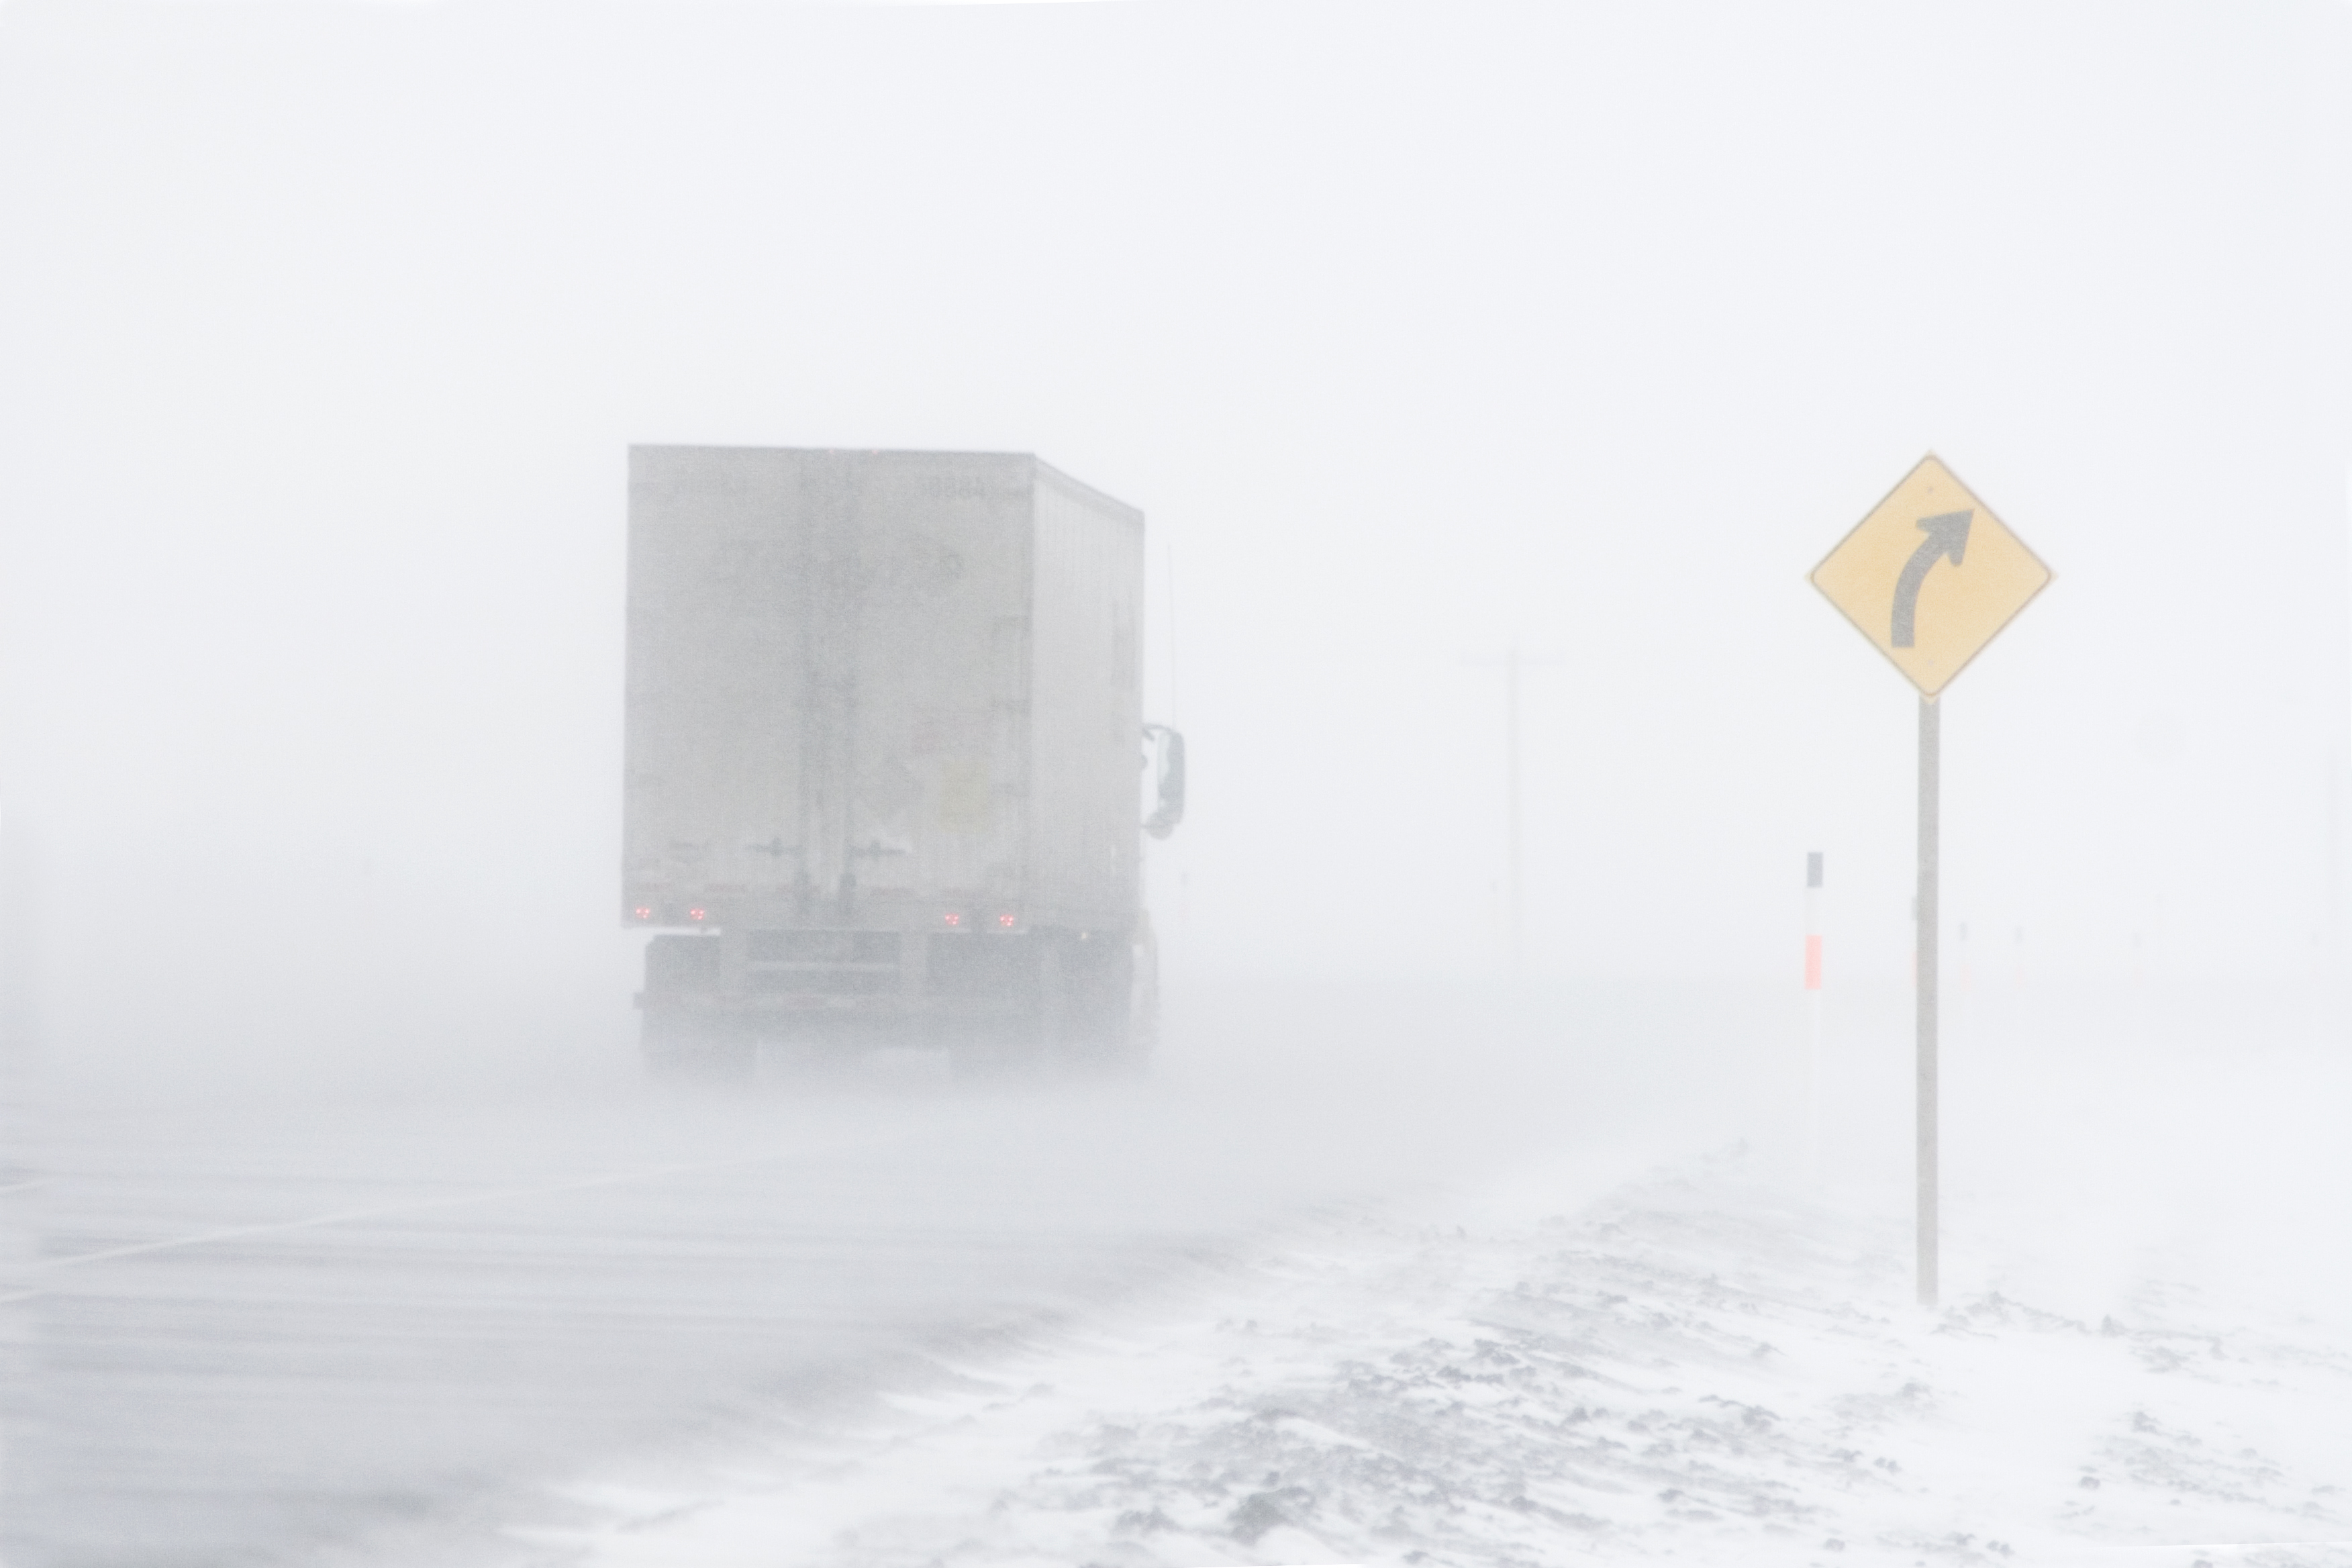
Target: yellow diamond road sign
1931 575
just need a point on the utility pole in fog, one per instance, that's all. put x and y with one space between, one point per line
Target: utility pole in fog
1513 870
1512 903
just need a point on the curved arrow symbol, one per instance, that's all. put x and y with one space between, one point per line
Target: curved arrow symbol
1948 534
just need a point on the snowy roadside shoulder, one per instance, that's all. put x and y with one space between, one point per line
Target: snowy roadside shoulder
1696 1369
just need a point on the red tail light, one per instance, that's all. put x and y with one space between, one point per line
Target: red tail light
955 919
1007 919
694 914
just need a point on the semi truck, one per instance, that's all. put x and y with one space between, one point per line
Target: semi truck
886 768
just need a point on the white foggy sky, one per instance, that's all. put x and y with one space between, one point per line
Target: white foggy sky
1412 328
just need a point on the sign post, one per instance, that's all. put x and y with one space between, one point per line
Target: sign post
1928 577
1812 1148
1931 772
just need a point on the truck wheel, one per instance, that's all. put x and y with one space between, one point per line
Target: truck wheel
682 1045
1138 1003
1061 1012
1101 1037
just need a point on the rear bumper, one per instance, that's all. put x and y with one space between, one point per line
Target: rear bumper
820 1003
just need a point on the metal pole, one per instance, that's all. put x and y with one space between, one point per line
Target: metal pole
1930 759
1812 1147
1511 747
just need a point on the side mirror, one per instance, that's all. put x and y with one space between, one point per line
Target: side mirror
1167 758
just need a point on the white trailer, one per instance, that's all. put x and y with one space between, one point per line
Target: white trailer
883 731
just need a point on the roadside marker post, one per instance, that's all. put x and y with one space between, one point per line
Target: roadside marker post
1928 577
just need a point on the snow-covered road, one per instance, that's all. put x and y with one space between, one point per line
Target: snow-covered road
1399 1284
301 1318
1713 1364
1693 1368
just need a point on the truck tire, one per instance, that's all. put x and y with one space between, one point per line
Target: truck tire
683 1035
1100 1036
1140 1002
680 1044
1076 1014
